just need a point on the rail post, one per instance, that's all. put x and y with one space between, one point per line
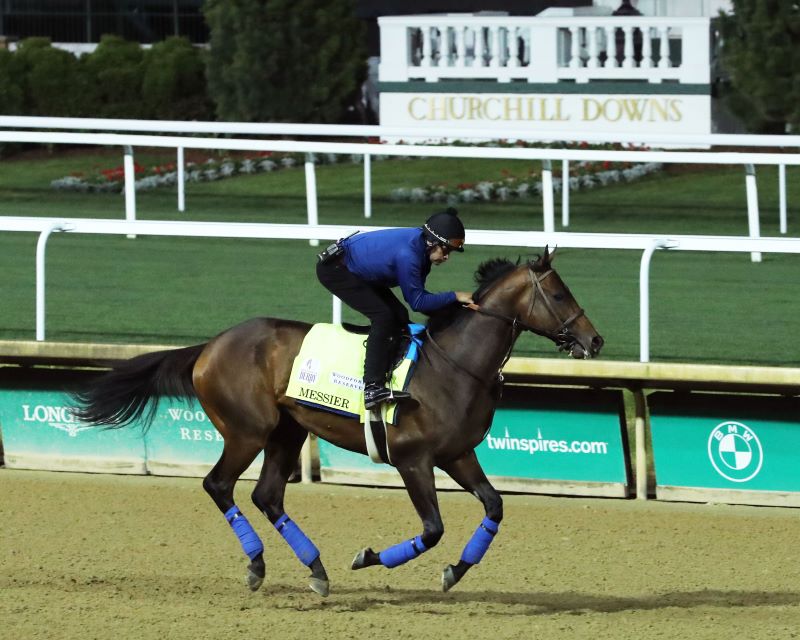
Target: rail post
311 194
367 185
41 248
181 181
782 196
130 186
752 208
644 295
548 208
565 193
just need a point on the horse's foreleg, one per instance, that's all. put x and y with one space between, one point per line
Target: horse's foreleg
280 458
467 472
219 484
418 479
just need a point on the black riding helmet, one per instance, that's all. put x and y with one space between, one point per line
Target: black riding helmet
444 226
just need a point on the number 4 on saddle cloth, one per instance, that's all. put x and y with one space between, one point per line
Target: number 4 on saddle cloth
328 371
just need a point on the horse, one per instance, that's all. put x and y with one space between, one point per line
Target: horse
240 379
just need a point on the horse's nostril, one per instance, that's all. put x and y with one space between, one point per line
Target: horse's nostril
597 343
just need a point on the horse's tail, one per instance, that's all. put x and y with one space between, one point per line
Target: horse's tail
129 392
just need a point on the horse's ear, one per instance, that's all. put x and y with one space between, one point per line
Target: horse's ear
543 261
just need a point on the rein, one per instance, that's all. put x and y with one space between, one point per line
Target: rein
562 336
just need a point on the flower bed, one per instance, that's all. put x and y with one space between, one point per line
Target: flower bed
582 175
113 180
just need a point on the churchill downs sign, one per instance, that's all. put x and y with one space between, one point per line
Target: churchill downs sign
596 113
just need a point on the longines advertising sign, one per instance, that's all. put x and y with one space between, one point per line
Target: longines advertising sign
40 432
595 113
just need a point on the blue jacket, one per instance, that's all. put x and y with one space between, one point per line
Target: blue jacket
392 257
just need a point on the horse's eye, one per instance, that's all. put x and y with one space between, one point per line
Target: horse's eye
558 297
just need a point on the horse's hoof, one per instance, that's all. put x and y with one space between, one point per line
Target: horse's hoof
449 579
320 586
253 580
362 559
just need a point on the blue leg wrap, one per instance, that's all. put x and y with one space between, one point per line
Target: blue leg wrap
303 548
480 541
402 553
251 543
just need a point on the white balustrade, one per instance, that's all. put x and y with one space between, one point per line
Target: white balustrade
544 49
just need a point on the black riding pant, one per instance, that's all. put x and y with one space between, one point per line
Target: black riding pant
387 315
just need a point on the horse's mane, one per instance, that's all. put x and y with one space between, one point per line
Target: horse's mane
486 275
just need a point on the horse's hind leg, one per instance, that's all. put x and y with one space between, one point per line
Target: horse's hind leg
418 478
467 472
280 458
219 484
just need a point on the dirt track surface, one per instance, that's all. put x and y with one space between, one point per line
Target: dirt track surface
90 556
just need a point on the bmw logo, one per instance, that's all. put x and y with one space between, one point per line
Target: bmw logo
735 451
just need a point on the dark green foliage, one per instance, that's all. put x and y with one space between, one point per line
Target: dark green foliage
114 72
50 79
284 60
761 54
173 82
11 98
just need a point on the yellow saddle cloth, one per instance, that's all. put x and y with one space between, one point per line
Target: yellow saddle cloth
328 372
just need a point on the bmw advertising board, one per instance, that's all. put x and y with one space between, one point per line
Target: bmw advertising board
723 447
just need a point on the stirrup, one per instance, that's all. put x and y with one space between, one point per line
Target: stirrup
374 397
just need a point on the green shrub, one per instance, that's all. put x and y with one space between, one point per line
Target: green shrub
50 78
284 60
114 72
173 82
11 97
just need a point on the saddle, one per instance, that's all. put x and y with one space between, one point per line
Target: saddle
327 373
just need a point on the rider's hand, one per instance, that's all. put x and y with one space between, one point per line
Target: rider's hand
463 297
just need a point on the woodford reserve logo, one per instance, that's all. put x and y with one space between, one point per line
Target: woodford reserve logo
545 109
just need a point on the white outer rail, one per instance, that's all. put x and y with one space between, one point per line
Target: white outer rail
644 242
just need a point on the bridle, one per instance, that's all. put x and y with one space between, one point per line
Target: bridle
562 336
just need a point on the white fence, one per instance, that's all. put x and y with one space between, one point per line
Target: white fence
535 239
314 232
128 141
399 133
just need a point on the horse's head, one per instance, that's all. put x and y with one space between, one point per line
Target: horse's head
536 296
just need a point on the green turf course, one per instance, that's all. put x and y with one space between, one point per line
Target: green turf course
705 307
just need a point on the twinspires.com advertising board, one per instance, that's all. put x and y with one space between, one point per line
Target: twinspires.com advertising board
720 444
551 440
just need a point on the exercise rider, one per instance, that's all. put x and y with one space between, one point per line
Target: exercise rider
362 269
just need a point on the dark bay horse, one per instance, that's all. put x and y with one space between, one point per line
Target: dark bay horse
240 378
